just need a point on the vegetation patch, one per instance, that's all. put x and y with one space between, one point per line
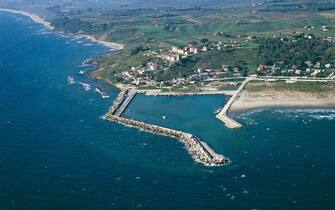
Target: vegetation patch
300 86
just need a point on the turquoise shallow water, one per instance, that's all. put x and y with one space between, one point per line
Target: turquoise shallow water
57 153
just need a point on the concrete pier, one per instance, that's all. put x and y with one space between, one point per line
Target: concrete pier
130 95
117 102
229 122
199 149
223 114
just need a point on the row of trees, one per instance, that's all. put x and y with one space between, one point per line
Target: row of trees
75 25
296 51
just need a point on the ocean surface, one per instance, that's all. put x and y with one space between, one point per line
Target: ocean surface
56 152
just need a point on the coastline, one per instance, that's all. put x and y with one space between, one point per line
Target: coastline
246 100
111 45
282 99
40 20
32 16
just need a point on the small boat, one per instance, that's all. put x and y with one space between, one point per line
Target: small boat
164 117
217 111
86 62
103 94
86 86
98 90
70 80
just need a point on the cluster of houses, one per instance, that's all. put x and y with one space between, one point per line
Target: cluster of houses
329 39
311 36
138 76
189 49
237 36
322 28
204 74
312 69
177 54
315 69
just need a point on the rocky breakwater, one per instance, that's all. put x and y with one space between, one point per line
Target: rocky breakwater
199 150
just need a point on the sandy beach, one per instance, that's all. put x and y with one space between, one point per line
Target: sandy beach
283 99
112 45
40 20
34 17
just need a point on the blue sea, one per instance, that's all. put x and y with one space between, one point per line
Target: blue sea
56 152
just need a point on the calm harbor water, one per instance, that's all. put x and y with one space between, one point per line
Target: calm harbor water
57 153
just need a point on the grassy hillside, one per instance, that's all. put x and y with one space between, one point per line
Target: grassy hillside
156 30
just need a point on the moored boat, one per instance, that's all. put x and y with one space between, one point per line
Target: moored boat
86 86
70 80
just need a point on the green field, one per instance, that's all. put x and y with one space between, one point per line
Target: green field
154 30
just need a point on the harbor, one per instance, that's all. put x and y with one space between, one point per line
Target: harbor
200 151
58 150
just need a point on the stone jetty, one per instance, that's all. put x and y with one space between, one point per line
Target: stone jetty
199 149
223 114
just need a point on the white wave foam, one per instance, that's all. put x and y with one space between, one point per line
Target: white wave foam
318 114
321 117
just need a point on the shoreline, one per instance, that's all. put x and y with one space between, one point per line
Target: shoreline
287 99
111 45
34 17
40 20
246 101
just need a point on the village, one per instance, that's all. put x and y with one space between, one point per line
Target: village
312 70
141 76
